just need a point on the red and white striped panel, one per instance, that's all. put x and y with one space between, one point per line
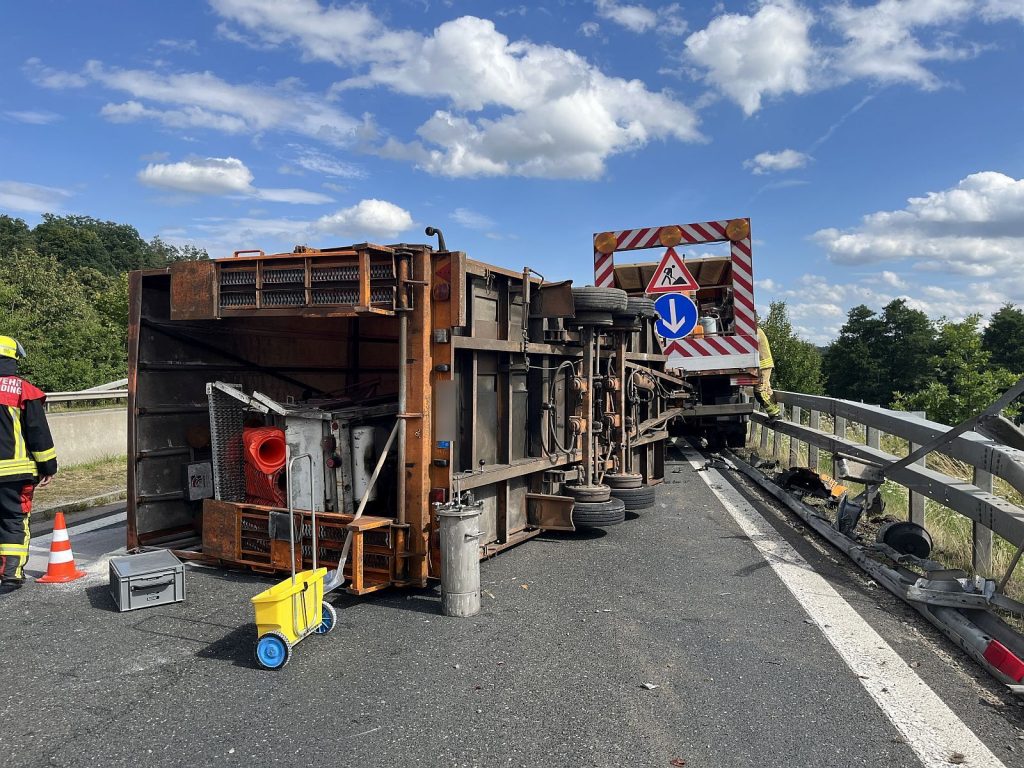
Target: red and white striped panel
745 340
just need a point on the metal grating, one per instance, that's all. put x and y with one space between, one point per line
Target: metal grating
238 277
284 298
382 272
334 296
243 299
284 276
334 274
227 420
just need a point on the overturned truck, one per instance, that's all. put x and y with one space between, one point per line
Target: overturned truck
399 375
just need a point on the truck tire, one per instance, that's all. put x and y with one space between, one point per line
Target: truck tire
635 498
598 515
624 480
589 317
588 493
592 299
640 307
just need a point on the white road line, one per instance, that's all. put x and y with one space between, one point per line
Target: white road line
929 727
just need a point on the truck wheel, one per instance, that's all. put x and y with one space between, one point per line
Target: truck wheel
635 498
592 299
588 493
591 318
598 515
624 480
640 307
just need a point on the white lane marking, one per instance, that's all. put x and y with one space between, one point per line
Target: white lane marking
929 727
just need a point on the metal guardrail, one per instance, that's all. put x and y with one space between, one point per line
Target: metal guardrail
114 390
975 500
965 608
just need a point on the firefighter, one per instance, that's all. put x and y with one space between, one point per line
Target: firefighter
764 393
27 458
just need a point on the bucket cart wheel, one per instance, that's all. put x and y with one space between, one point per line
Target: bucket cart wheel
329 618
273 650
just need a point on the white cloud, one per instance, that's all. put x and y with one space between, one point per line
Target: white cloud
220 176
550 112
975 228
770 162
639 18
47 77
997 10
203 100
635 18
31 198
589 28
33 117
767 284
472 219
318 162
367 220
750 57
376 218
179 46
881 42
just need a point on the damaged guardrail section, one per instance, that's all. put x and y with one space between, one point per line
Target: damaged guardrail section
961 606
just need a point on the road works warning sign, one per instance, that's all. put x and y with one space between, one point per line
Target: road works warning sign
671 276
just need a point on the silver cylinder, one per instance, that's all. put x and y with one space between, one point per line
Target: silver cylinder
709 324
460 558
363 459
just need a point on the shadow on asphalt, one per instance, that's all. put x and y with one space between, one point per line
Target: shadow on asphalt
583 534
237 647
100 598
426 600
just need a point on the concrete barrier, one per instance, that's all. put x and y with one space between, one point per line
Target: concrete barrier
84 436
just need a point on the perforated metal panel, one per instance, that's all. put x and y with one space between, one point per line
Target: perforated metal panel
227 420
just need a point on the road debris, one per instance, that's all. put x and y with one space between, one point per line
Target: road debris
649 686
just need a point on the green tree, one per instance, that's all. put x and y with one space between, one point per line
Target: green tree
908 349
966 381
70 343
84 242
168 254
852 365
1003 339
797 362
14 235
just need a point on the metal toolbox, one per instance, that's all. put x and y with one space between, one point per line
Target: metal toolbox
146 579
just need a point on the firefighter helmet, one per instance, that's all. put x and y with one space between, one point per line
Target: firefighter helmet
11 348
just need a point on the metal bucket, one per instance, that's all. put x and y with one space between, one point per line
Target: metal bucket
460 558
709 324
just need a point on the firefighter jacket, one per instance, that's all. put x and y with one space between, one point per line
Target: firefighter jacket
764 350
26 447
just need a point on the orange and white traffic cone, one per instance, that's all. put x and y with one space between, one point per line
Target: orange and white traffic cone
62 560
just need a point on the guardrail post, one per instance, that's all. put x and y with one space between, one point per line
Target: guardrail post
839 430
874 438
981 554
777 436
915 501
814 422
794 444
764 440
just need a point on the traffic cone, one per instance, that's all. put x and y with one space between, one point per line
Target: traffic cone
62 560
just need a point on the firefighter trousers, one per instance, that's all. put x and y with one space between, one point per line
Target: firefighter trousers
15 508
765 394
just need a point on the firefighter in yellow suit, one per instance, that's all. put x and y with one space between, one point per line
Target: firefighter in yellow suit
27 458
764 394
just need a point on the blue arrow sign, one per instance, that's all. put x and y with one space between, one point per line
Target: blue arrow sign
678 315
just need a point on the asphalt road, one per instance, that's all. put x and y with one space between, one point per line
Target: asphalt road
551 673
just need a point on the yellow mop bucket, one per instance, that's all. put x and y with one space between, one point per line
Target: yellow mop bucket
291 608
295 607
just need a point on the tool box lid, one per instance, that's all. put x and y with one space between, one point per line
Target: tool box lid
144 563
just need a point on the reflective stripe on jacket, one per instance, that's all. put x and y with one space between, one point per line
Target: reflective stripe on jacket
26 447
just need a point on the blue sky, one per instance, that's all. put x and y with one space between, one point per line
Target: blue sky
877 147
